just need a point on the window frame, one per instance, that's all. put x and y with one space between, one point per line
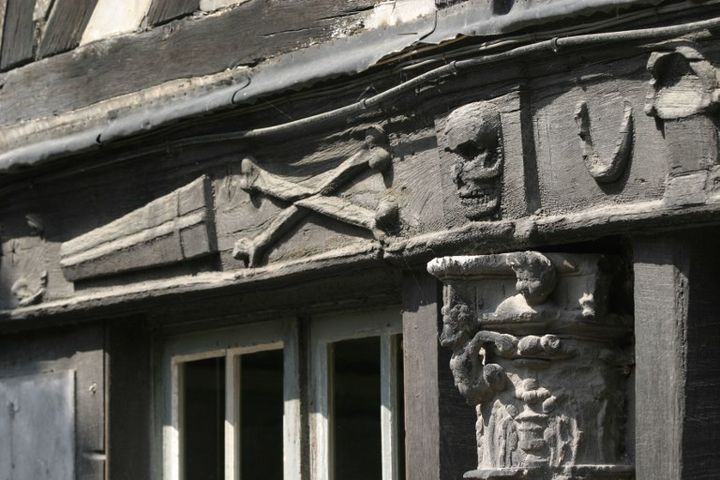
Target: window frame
229 343
233 342
338 326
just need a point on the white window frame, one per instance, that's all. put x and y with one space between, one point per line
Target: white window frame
231 344
326 330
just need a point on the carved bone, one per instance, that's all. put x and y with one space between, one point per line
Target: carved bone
318 199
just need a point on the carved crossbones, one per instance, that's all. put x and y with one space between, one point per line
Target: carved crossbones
319 199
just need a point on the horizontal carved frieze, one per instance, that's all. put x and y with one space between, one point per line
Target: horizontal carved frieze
513 166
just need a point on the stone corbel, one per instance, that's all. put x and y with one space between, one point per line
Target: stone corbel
538 353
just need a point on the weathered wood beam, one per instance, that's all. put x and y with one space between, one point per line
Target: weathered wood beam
65 26
3 9
420 347
677 350
162 11
129 393
18 33
130 63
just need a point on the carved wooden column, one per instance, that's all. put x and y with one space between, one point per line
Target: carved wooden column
543 359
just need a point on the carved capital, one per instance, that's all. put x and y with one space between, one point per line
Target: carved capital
537 350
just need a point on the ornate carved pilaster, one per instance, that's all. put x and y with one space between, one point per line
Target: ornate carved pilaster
539 354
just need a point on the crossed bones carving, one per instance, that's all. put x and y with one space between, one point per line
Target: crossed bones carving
319 199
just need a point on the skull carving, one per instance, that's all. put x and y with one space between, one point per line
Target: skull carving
473 136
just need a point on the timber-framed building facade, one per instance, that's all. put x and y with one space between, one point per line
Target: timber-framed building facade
352 239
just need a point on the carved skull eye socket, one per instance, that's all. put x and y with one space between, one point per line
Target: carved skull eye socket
470 150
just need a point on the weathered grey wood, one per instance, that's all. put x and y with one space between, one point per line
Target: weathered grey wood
18 33
458 448
90 398
174 228
676 353
129 399
162 11
259 29
37 418
3 9
78 349
692 151
420 347
68 19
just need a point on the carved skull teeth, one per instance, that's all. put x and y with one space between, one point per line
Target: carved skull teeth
480 200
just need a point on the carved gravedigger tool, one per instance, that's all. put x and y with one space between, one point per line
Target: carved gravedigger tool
319 199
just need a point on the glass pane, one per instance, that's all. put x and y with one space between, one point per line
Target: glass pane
261 415
356 413
204 419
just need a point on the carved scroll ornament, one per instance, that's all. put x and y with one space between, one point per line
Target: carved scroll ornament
472 141
537 353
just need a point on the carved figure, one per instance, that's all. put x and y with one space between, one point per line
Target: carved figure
473 137
605 171
320 199
542 366
683 83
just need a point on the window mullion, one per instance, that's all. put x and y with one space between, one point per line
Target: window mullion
175 446
389 406
292 420
232 416
321 455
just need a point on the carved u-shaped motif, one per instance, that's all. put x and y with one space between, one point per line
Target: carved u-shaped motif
605 171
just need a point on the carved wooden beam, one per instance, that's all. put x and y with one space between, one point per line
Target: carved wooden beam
171 229
320 199
538 353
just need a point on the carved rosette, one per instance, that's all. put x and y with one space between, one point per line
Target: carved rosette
539 354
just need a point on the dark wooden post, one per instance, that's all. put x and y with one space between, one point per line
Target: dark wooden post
439 425
677 352
129 399
420 345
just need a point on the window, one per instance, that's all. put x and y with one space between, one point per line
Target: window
357 397
231 407
226 393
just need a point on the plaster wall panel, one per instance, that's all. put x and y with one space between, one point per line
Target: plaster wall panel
112 18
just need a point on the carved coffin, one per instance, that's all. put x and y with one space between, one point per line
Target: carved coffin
538 352
171 229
